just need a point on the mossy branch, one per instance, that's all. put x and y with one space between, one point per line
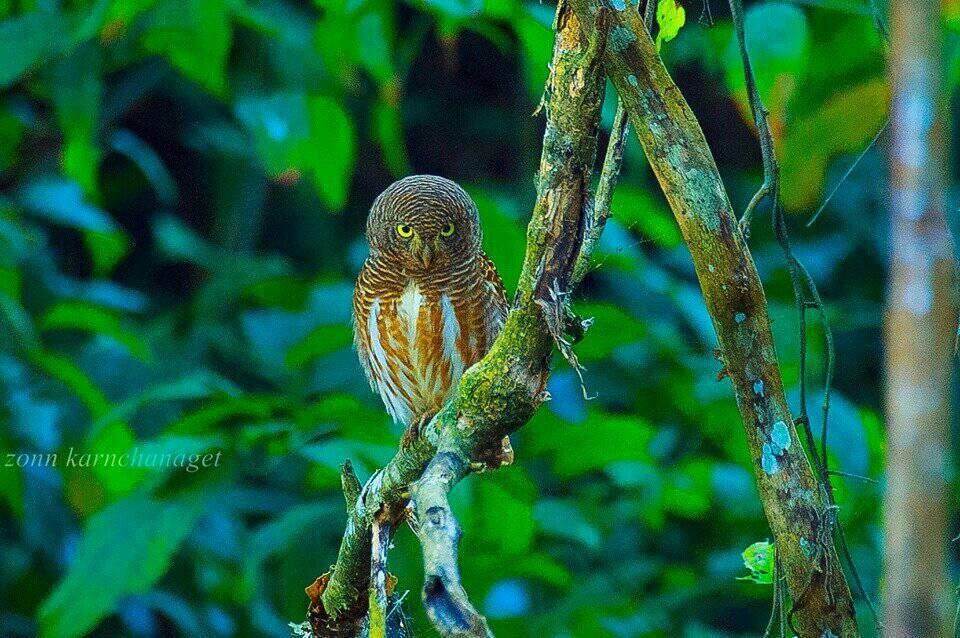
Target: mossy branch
500 393
678 153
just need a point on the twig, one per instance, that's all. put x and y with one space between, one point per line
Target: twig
777 597
848 172
771 171
803 285
878 22
609 173
859 477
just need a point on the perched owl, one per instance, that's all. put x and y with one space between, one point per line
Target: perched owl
428 301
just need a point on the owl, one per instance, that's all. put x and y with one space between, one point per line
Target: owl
428 301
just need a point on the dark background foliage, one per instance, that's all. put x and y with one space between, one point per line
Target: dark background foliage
183 186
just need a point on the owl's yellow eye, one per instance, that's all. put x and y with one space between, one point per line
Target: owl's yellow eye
447 230
404 230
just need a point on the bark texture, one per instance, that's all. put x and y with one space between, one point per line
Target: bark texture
793 499
920 326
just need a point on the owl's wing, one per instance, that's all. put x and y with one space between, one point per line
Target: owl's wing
496 297
364 296
378 345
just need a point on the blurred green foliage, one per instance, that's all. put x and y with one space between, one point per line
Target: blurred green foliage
183 186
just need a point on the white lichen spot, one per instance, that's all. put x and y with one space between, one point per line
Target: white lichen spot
712 268
758 387
620 38
769 460
780 437
740 317
632 80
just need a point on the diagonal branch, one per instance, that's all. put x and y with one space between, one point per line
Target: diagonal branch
500 393
678 153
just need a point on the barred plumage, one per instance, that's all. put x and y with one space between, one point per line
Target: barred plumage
428 302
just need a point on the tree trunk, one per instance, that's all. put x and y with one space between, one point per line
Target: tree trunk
920 324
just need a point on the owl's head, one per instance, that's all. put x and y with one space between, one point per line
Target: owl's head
425 222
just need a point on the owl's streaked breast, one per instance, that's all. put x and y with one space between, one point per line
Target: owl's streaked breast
416 340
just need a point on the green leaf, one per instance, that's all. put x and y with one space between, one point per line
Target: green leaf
688 488
778 41
122 12
671 17
321 341
76 91
502 516
374 31
105 570
297 134
248 407
12 131
540 566
76 315
62 202
844 124
275 537
564 520
388 127
20 323
589 446
331 169
69 374
759 558
637 208
106 249
457 9
612 328
198 384
536 37
149 162
195 36
178 241
503 236
37 35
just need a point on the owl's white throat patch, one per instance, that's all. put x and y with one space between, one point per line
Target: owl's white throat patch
411 300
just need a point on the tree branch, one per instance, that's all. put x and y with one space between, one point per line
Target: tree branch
678 153
501 392
433 522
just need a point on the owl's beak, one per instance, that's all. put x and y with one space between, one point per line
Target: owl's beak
423 251
426 255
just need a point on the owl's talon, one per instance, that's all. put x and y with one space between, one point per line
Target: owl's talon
412 433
